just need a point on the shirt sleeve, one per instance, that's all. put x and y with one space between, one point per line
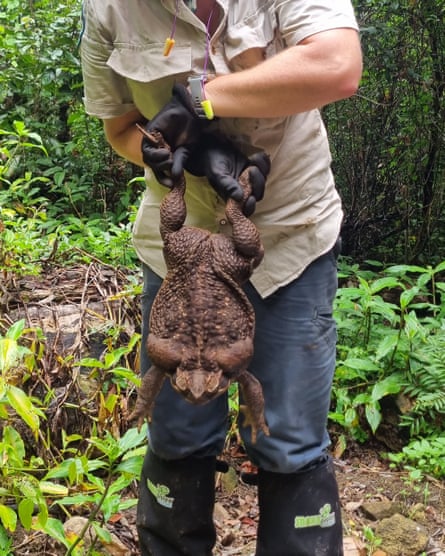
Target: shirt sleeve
299 20
106 94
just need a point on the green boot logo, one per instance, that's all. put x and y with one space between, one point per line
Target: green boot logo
325 518
161 492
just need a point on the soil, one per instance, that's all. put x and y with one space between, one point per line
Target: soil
85 301
363 476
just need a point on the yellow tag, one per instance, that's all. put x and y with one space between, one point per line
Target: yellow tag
169 44
208 109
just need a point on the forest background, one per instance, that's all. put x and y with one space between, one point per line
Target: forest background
66 201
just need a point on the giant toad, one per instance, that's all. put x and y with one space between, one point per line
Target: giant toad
201 323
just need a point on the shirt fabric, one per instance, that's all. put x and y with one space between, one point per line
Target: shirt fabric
124 68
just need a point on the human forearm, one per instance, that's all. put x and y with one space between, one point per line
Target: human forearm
124 136
322 69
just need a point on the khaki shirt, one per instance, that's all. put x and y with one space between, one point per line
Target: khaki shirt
123 67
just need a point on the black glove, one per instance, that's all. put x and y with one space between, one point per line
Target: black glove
222 163
180 126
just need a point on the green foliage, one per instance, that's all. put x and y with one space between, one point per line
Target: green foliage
388 140
372 541
426 388
5 543
391 342
424 456
90 473
122 460
32 228
18 482
16 362
41 85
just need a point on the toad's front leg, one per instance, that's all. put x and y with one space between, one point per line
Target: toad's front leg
173 210
245 235
150 387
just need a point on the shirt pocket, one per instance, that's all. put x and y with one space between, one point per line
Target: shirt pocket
146 63
250 36
149 74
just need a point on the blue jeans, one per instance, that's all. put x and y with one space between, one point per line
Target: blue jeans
294 359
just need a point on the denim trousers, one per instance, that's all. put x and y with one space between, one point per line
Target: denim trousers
294 359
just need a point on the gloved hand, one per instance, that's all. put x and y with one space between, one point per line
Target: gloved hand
222 163
180 126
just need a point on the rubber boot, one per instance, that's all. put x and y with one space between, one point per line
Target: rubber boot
300 512
175 507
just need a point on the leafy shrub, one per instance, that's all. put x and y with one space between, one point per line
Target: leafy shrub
41 85
34 229
423 456
92 472
391 337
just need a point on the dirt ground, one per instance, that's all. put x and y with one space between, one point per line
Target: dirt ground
363 476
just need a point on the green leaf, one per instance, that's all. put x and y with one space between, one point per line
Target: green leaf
389 385
25 511
23 406
9 353
402 269
373 415
28 486
128 503
361 399
54 528
62 470
15 445
111 401
387 344
112 358
42 515
20 127
132 466
8 517
127 374
53 489
384 283
77 499
91 362
5 543
351 419
103 534
440 267
132 438
361 364
16 330
412 326
407 296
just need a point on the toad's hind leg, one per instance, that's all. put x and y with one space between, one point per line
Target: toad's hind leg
254 409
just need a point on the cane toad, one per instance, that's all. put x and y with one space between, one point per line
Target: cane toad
202 323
